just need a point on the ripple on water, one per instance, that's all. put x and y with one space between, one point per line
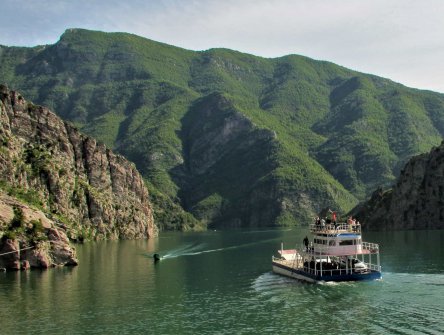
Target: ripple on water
385 306
219 285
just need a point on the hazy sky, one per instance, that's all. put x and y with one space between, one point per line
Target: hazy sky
398 39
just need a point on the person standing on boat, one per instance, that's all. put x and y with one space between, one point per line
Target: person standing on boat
306 242
333 217
318 223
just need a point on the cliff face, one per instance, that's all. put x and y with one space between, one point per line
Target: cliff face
90 191
416 201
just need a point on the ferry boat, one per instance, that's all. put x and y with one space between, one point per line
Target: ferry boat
335 253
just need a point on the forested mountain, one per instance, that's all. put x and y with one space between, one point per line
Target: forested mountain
235 139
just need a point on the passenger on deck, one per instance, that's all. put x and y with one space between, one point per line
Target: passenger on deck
306 243
333 217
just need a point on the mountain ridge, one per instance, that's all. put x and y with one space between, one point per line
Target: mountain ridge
337 134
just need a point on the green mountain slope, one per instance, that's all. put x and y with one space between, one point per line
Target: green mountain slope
233 138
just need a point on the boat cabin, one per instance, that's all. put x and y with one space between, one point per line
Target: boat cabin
338 244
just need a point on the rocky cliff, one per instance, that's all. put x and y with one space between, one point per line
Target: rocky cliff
416 201
30 238
82 187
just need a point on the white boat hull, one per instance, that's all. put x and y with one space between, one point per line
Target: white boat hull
292 274
300 274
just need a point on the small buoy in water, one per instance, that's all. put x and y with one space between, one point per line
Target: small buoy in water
156 257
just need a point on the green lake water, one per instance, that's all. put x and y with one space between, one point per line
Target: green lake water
220 282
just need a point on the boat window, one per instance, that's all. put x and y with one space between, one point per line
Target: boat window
331 243
346 242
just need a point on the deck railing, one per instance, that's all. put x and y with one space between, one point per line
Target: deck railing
373 248
341 271
299 265
329 272
374 267
338 228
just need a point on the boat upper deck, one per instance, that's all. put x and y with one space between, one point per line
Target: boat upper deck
332 229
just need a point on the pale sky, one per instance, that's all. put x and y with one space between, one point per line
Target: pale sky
402 40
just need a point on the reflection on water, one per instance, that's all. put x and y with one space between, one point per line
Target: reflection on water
221 283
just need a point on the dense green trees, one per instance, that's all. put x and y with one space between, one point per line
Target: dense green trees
232 138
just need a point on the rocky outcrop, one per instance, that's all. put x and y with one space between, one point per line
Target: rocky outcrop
416 201
76 182
30 238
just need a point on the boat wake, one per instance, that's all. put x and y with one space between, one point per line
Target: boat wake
188 250
337 283
269 281
199 248
266 231
436 279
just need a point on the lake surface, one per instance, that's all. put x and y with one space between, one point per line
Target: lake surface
220 282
